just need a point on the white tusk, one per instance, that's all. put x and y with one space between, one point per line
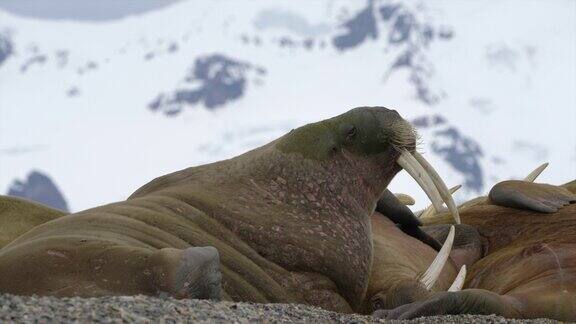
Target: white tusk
429 211
459 280
433 272
534 174
442 188
405 199
473 202
454 189
411 165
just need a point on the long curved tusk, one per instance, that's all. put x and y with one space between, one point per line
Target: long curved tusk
473 202
429 211
433 272
459 280
442 188
534 174
405 199
411 165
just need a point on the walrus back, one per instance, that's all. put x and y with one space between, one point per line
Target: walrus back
162 221
17 216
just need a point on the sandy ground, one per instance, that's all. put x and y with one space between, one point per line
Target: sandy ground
144 309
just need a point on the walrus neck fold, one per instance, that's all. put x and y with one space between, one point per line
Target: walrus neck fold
311 216
319 215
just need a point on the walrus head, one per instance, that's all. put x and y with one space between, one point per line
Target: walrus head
372 137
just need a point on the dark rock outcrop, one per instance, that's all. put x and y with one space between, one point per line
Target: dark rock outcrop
6 48
40 188
460 151
358 29
214 81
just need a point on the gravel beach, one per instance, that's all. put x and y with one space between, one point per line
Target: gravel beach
145 309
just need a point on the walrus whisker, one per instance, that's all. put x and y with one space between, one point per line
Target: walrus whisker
404 135
534 174
429 211
414 169
440 185
429 277
459 280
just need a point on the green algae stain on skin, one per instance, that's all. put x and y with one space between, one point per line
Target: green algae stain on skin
371 134
313 141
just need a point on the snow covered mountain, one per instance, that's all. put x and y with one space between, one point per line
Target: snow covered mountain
104 105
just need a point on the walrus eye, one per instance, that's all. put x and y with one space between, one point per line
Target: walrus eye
350 132
377 303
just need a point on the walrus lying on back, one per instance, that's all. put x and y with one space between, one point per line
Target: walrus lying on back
286 222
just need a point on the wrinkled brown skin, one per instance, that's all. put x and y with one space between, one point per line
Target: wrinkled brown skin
12 222
399 260
528 264
290 220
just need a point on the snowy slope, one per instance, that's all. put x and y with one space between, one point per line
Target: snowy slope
104 107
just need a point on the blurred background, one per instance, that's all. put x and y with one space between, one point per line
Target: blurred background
99 97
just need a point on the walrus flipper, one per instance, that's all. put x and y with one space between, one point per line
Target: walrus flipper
539 197
192 273
18 216
390 206
469 301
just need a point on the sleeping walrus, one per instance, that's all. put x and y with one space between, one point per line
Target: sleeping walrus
522 262
286 222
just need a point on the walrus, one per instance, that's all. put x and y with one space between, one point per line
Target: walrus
18 216
288 222
519 244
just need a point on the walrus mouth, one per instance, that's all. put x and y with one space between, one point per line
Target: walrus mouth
429 180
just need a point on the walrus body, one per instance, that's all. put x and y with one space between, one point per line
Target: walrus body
290 220
531 263
17 216
527 266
